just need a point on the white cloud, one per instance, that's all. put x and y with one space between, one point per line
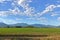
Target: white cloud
16 11
19 19
3 13
58 18
28 10
10 12
40 19
20 1
2 0
48 9
9 21
58 6
54 14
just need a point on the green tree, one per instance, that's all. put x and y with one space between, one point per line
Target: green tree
8 26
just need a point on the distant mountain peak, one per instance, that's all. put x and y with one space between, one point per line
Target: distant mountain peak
3 24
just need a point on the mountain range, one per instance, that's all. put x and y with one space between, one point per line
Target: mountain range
24 25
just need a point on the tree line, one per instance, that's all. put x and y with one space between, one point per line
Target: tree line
20 26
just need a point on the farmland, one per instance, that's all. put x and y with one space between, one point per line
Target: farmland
17 31
30 33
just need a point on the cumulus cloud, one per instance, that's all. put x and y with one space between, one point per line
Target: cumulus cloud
20 1
48 9
9 12
23 3
28 11
14 11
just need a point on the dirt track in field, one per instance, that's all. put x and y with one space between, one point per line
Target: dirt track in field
29 37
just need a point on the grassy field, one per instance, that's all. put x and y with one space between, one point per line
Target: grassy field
17 31
52 33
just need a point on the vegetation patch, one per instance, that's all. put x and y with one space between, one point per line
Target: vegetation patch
37 31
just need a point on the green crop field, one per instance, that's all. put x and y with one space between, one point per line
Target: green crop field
17 31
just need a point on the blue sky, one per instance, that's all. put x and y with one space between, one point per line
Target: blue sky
30 11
